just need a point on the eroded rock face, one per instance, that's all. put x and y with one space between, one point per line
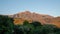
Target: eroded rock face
44 19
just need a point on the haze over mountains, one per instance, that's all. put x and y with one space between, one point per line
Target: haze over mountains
27 15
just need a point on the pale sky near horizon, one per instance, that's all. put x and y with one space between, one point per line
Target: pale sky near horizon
50 7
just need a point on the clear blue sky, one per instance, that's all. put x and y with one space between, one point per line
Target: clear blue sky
50 7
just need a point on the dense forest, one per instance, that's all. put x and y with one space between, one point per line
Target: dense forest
8 27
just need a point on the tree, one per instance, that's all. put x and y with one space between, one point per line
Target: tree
6 25
25 22
36 27
48 28
36 23
18 29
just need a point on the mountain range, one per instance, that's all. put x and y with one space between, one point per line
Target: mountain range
42 18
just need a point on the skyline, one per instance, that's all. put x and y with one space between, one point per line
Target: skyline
50 7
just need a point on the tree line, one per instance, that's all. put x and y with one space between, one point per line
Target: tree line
8 27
